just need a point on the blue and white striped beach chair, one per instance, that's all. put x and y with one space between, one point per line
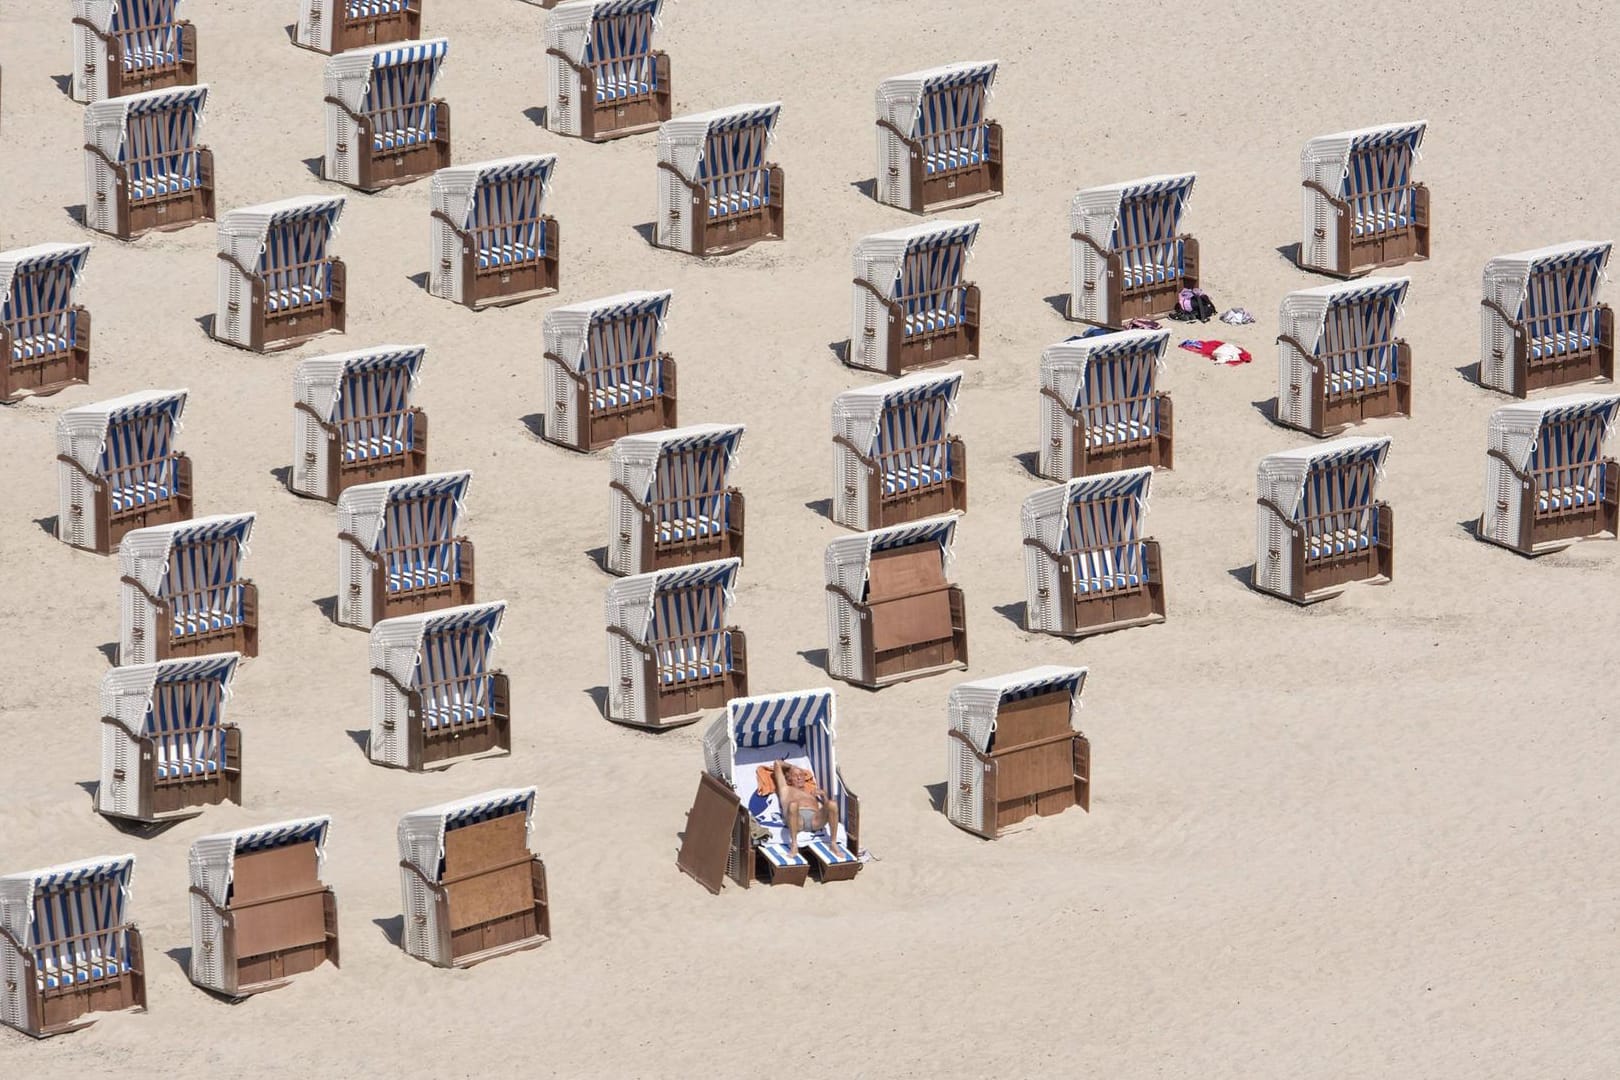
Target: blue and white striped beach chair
671 502
672 651
493 242
605 80
936 144
261 911
718 191
383 124
400 548
1338 359
473 886
894 457
1362 209
129 47
182 591
1088 569
1541 322
143 166
914 306
606 374
1548 481
1130 259
736 827
1321 525
44 330
1101 406
353 421
67 946
435 692
279 283
334 26
117 468
892 612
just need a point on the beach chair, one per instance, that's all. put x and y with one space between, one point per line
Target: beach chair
130 47
435 696
1320 524
261 911
400 551
670 500
1362 209
67 947
383 124
894 457
1087 567
1129 259
735 828
353 421
913 306
1016 750
717 192
335 26
166 749
936 147
605 80
493 242
182 592
44 331
117 468
279 286
472 883
1338 359
1542 323
672 651
607 375
143 167
892 612
1547 481
1101 406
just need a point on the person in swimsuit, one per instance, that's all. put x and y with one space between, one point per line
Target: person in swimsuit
803 810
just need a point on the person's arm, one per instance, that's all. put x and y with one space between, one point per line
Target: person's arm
780 775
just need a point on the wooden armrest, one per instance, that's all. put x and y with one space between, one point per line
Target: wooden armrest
433 886
224 914
567 368
80 20
356 117
1090 243
580 69
86 473
125 728
979 755
395 683
1305 354
1048 392
300 406
695 188
914 145
1293 526
1339 205
869 462
461 234
1043 547
614 485
1522 477
873 289
98 152
1517 326
839 590
640 646
147 596
370 556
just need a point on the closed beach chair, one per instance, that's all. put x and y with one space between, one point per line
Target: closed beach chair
68 947
143 166
607 375
1542 323
892 612
261 911
279 285
129 47
167 751
1088 568
1321 526
1362 209
936 145
894 457
183 593
604 78
717 190
914 306
1101 406
353 421
44 330
671 503
735 828
117 468
383 124
335 26
1548 482
672 651
436 696
493 242
1130 259
1338 359
400 548
1016 750
472 883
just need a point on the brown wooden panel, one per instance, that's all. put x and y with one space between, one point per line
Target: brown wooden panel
709 827
903 571
1021 773
1032 719
280 924
473 848
490 896
278 871
911 620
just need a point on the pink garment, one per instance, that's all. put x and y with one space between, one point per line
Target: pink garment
1219 351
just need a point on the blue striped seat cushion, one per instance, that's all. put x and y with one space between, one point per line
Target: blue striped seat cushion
138 59
687 671
692 528
140 494
1367 224
175 770
1559 343
1342 542
735 202
295 296
418 577
378 446
1566 498
159 185
1108 583
1150 273
1118 431
1361 378
781 855
830 853
927 322
909 479
202 622
453 715
616 89
371 9
610 397
40 345
401 139
90 972
946 160
507 255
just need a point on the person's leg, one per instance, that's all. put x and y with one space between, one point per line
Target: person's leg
832 819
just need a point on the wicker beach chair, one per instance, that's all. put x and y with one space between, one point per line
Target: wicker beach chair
894 457
605 80
335 26
1548 482
400 551
717 190
1542 324
913 305
182 591
606 373
671 502
1101 406
353 421
436 698
936 146
279 286
1130 259
493 242
1338 359
44 330
143 167
117 468
383 124
1362 209
1320 524
130 47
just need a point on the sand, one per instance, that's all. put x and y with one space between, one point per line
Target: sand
1371 838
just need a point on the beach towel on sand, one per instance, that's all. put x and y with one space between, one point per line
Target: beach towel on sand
1222 352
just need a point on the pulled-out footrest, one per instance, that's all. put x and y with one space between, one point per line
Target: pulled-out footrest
781 865
832 861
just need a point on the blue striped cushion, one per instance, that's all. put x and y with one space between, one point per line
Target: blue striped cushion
1108 582
609 397
295 296
781 855
689 672
28 348
1367 224
507 255
917 476
159 185
376 447
138 59
1118 431
1361 378
946 160
201 622
371 9
691 528
732 203
615 89
418 577
926 322
1566 498
1343 542
174 770
90 972
1150 273
399 140
1558 343
830 853
140 494
453 715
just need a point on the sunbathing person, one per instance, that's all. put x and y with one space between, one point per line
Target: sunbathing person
805 807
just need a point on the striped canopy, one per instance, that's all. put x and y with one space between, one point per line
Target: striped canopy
87 433
849 558
1551 289
1113 376
914 102
107 122
973 706
1291 478
607 332
892 419
375 382
281 233
386 76
491 193
1113 214
1306 313
1570 430
210 551
684 601
685 141
57 911
363 509
397 645
1327 158
422 832
131 693
638 459
24 272
213 858
918 261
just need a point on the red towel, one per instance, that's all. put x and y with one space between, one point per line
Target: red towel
1208 348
